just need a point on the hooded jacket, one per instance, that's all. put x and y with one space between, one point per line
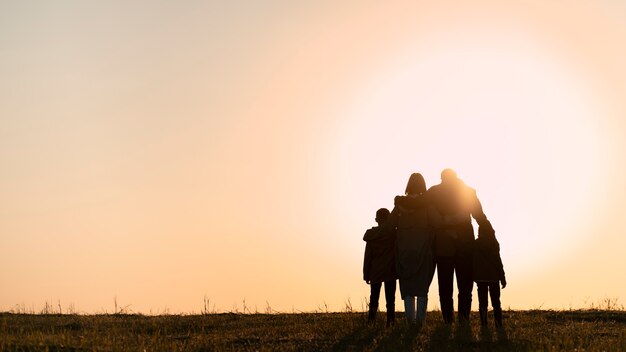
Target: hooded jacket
379 263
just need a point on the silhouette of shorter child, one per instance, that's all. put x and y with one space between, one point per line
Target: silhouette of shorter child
488 272
379 265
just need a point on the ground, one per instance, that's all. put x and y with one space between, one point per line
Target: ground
589 330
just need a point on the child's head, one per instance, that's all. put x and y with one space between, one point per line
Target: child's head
382 215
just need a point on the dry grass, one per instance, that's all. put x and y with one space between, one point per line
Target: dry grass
589 330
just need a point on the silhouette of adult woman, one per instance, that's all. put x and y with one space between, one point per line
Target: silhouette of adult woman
414 256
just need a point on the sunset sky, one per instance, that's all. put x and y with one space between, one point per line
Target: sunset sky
159 152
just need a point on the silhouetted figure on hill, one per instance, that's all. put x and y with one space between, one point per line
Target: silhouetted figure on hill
488 273
451 206
415 261
454 241
379 266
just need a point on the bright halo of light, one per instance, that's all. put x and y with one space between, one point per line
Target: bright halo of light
516 124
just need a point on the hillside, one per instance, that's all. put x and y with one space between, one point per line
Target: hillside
591 330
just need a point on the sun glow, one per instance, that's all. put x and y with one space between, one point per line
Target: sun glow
514 122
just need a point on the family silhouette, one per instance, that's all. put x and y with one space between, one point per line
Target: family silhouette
427 230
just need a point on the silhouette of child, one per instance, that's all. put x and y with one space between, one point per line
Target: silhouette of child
379 266
488 272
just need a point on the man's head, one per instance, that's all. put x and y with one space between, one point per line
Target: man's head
448 176
382 215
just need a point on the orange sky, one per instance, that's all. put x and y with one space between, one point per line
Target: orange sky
159 153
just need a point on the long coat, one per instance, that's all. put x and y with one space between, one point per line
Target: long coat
414 255
379 264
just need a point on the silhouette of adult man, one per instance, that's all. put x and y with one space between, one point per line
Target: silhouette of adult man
452 204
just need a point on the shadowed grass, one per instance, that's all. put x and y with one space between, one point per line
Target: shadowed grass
590 330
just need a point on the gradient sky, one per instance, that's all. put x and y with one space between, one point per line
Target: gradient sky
158 152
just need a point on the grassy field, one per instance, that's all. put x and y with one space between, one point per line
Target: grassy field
589 330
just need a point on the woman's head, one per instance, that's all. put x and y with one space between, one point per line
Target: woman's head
416 184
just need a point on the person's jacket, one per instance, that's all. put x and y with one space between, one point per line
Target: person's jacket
452 207
414 241
379 262
487 264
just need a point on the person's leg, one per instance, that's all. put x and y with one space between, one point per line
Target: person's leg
482 302
374 296
494 292
409 308
390 298
465 284
445 279
422 293
422 306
